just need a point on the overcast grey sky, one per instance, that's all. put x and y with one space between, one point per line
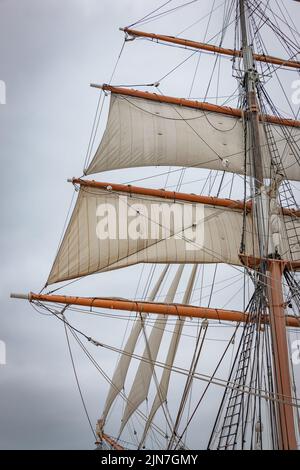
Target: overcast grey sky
50 51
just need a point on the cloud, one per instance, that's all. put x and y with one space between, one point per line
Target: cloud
50 51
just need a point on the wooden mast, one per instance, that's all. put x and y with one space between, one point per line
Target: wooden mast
178 310
176 196
186 43
273 269
285 416
236 112
112 442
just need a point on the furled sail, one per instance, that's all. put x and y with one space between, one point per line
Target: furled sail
142 132
161 394
140 387
110 230
118 379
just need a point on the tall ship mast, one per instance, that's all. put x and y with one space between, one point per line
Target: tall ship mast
191 371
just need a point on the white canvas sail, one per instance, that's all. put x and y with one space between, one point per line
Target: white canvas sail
140 229
161 394
121 370
140 386
142 132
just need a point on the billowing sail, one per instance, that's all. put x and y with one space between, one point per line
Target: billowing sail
140 387
162 391
141 132
118 379
110 230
